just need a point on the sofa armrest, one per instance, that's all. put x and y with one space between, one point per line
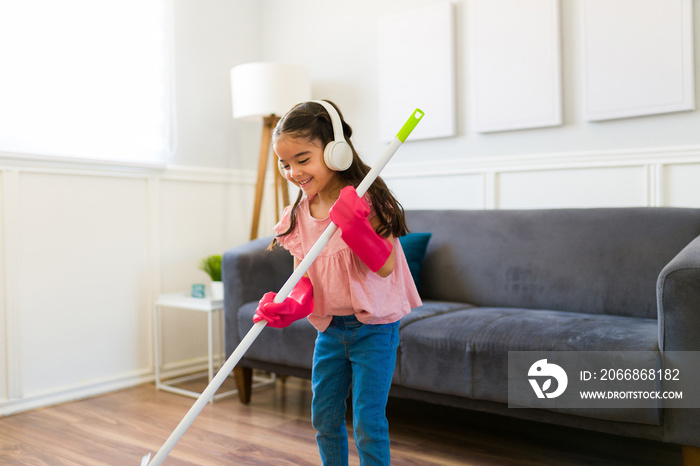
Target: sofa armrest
678 301
248 272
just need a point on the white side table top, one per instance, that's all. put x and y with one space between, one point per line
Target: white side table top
183 300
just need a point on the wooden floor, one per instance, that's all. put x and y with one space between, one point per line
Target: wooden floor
119 428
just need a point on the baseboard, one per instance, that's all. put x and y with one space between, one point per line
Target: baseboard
66 394
95 388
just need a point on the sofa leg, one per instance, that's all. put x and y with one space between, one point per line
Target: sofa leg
244 383
691 456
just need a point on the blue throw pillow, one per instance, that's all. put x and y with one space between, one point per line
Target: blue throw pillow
414 247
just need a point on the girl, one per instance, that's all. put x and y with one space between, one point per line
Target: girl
356 290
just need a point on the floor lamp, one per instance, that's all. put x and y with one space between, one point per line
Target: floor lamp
267 91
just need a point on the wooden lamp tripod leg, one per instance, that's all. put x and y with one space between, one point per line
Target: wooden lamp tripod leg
268 126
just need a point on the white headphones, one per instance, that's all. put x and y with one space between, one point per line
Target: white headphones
337 154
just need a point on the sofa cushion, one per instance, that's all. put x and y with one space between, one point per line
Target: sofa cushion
465 353
414 246
427 310
432 308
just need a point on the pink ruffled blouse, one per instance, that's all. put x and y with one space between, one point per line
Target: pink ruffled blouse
343 284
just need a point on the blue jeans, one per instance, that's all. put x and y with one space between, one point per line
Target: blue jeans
351 353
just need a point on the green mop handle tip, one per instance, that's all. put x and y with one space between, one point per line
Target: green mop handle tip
410 124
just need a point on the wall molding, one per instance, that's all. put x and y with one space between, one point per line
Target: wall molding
66 166
17 159
661 156
489 172
547 161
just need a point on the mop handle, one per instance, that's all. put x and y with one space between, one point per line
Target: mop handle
291 282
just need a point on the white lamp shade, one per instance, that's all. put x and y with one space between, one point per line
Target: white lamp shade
264 89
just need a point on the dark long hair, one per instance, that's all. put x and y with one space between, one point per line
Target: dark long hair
310 121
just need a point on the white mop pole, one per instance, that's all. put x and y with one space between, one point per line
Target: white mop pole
291 282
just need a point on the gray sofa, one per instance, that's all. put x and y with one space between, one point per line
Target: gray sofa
495 281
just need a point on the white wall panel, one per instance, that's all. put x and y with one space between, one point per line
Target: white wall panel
589 187
83 279
238 213
90 251
192 227
3 328
446 191
681 185
10 260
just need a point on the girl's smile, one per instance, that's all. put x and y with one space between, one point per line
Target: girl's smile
302 161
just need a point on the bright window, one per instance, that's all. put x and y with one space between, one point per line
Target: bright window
87 79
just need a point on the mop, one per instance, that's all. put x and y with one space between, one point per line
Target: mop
298 273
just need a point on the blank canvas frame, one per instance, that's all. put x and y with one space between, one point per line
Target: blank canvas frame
515 64
416 53
638 57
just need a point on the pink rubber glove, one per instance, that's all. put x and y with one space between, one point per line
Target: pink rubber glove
350 214
297 305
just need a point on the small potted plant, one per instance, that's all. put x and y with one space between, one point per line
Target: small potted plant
211 265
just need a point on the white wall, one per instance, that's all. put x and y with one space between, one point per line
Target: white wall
338 41
210 38
84 248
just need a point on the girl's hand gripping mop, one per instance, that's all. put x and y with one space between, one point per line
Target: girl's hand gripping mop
286 289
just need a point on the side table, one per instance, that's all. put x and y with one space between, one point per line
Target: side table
185 301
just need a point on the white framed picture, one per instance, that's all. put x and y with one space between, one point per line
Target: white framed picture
637 57
514 64
416 52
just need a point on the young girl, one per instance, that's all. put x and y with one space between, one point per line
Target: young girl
355 291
